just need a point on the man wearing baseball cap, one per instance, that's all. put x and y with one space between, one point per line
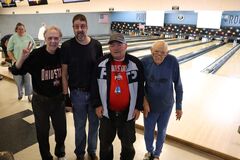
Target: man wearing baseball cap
118 98
118 37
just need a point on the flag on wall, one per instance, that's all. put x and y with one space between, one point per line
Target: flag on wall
103 18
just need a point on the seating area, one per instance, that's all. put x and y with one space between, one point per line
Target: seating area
4 68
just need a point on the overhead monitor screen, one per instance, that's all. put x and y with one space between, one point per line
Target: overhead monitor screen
8 3
155 18
209 19
37 2
71 1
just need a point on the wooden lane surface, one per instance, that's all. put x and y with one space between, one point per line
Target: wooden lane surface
201 62
232 67
211 113
192 49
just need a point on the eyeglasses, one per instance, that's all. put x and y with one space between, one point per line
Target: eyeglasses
80 26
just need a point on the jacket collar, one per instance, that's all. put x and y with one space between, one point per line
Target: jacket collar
126 58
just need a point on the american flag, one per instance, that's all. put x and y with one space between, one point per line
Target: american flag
103 18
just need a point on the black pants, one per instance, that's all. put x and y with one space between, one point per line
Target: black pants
45 108
126 132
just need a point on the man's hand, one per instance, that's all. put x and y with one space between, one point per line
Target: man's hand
68 103
136 114
26 51
146 110
146 107
24 56
99 111
178 114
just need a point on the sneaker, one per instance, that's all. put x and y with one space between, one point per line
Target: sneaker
148 156
93 156
156 158
61 158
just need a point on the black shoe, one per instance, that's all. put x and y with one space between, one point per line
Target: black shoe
81 157
19 98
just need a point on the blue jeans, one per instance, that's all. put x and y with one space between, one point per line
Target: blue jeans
82 110
23 81
161 119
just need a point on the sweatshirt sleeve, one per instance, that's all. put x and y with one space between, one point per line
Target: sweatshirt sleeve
178 86
15 71
26 67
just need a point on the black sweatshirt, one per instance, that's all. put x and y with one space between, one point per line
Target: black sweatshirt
45 69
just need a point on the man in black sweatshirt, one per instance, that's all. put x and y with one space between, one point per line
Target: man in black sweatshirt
48 102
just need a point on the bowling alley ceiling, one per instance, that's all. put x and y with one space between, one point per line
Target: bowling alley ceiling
57 6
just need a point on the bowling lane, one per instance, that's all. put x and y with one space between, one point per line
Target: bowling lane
191 49
182 45
130 39
232 67
100 37
144 44
105 40
105 47
147 51
203 61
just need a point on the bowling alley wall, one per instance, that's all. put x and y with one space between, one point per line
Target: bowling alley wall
130 18
180 23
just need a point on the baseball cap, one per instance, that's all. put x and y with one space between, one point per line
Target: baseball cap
117 37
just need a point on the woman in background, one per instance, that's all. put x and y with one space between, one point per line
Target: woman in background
16 44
